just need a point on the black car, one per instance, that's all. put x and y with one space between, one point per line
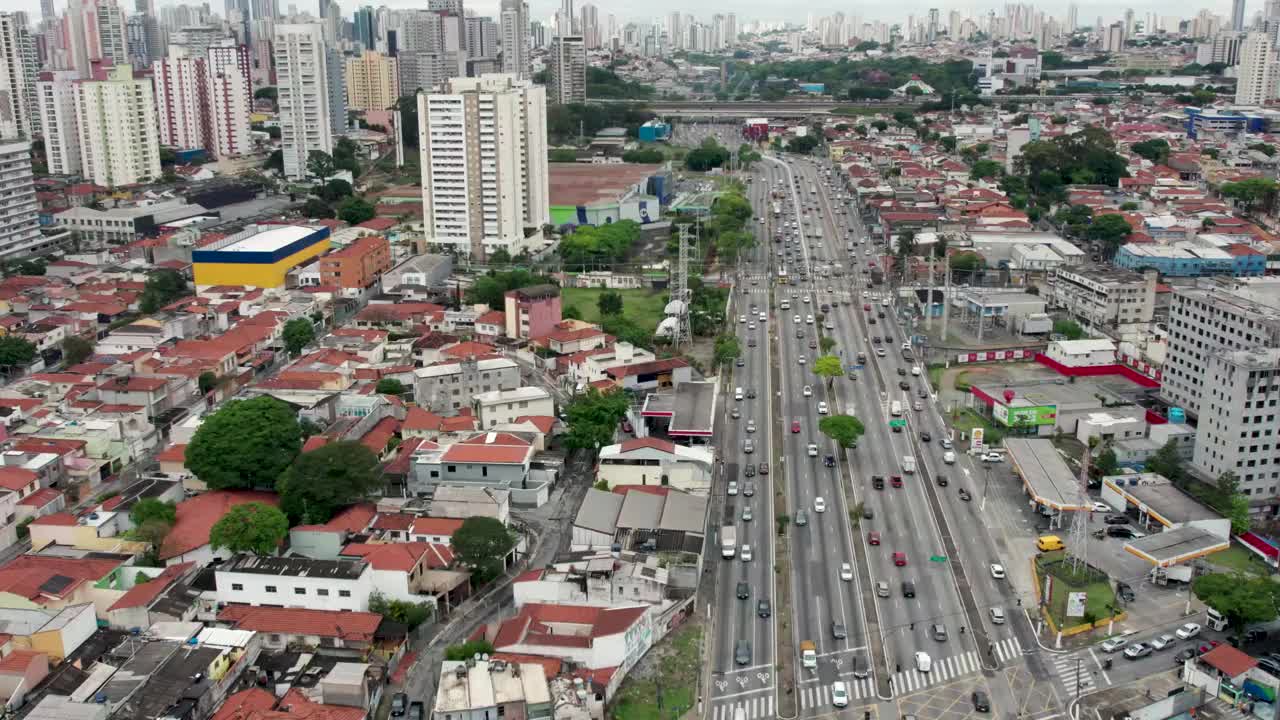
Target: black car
751 393
922 393
829 460
981 702
1115 520
871 321
1120 531
1184 656
877 482
744 591
904 385
749 470
751 342
964 495
942 481
1124 591
838 631
764 609
417 710
908 589
867 512
742 652
875 340
399 704
925 437
902 372
880 315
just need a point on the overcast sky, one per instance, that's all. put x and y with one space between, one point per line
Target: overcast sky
748 10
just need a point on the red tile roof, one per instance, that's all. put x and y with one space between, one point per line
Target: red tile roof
16 478
393 521
26 575
533 625
17 661
1228 660
544 423
142 594
436 526
174 453
56 519
654 366
388 556
41 497
197 515
351 626
648 442
379 435
245 704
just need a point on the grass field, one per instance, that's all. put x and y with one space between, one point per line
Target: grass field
677 669
1237 558
966 420
644 307
1099 596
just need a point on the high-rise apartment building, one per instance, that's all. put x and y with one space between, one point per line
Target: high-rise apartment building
302 77
566 20
1237 15
1239 422
1257 73
116 120
482 37
483 146
94 32
365 25
56 97
1226 47
19 211
589 25
1113 37
182 100
373 81
567 70
336 73
230 98
514 21
18 68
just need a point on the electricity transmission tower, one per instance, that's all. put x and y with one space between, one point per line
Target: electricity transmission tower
682 335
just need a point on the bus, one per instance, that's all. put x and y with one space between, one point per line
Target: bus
777 209
782 276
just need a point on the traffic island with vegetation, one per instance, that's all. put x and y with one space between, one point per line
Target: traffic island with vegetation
665 683
1100 599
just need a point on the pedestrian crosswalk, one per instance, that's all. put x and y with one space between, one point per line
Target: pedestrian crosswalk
758 706
1009 649
943 670
818 695
1078 672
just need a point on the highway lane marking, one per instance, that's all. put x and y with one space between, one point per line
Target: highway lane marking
742 694
747 669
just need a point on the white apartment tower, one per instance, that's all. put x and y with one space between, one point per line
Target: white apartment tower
1257 74
94 32
18 68
302 82
514 21
19 212
56 98
116 120
1239 423
483 145
567 70
182 100
230 98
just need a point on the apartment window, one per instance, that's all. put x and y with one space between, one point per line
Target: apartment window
237 586
322 592
344 593
299 591
270 588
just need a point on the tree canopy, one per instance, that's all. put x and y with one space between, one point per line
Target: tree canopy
16 350
1069 328
354 210
594 246
152 509
1111 230
1084 158
844 429
828 366
1251 192
492 286
1155 150
162 287
389 386
298 333
609 303
246 444
482 544
707 156
727 348
593 418
75 350
322 481
1242 598
253 527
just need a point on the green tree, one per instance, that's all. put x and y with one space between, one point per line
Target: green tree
829 367
1068 328
316 209
1157 150
1167 462
265 93
1110 230
844 429
322 481
593 418
1243 599
826 344
1251 192
468 650
34 266
402 611
298 333
906 245
967 261
562 155
492 286
16 351
389 386
148 509
483 544
1237 511
1227 485
253 527
152 532
985 169
320 165
354 210
162 287
727 347
207 382
334 190
499 257
609 303
1106 463
245 444
948 142
75 350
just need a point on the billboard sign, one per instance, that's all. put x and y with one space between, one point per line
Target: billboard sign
975 439
1025 416
1076 603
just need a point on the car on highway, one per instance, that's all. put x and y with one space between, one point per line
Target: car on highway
924 663
802 517
925 436
879 352
865 306
743 591
812 450
1101 507
900 559
740 363
733 487
938 632
822 407
1137 650
807 391
882 589
873 537
996 615
902 372
904 385
839 694
742 318
946 443
746 514
846 572
1163 642
399 703
839 631
819 505
735 413
981 701
877 482
764 468
895 480
1124 591
748 446
751 425
1187 631
908 589
1122 531
742 652
1186 655
802 360
829 460
795 426
997 571
750 470
992 457
1111 645
751 393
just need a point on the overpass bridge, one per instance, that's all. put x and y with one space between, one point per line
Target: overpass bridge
799 109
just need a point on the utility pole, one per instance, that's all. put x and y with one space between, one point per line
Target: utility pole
928 303
946 300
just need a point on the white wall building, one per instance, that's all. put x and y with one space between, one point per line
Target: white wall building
1237 431
295 582
56 100
514 30
1257 70
116 120
182 97
499 407
1104 296
1082 353
654 461
567 70
230 99
302 82
18 68
19 212
483 144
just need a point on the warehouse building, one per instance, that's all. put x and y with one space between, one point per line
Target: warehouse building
259 256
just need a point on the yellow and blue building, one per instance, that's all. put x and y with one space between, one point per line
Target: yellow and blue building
258 256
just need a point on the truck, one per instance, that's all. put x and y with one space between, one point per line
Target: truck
949 457
808 654
895 408
908 464
1177 573
728 542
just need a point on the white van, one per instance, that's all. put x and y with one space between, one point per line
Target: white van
895 407
737 393
949 457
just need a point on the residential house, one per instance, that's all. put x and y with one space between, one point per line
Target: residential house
35 581
598 578
281 627
500 407
189 538
492 689
594 637
56 633
654 461
450 386
488 460
295 582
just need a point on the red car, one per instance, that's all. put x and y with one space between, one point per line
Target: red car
873 538
866 307
795 426
896 480
900 559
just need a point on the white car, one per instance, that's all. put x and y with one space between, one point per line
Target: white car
745 552
1113 644
742 318
906 346
924 663
822 407
751 426
992 457
839 694
865 294
997 616
1188 631
1101 507
915 370
1161 642
808 390
802 360
813 450
1137 650
819 505
808 319
751 326
997 571
946 443
846 572
797 319
763 316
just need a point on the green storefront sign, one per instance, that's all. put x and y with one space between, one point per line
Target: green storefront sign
1025 416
